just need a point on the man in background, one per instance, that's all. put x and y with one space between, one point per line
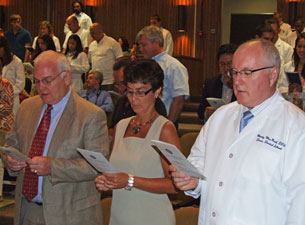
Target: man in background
103 53
95 94
176 87
83 34
285 28
84 20
168 44
19 38
219 86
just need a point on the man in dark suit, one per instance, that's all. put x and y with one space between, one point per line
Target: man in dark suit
219 86
66 192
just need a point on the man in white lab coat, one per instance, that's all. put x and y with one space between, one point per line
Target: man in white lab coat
254 173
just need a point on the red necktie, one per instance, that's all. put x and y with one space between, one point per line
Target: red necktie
30 180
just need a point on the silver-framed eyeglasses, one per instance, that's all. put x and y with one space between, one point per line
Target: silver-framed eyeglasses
245 73
47 80
137 93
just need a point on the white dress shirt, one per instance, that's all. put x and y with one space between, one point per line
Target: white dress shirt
292 37
255 177
168 45
84 21
285 50
285 31
103 55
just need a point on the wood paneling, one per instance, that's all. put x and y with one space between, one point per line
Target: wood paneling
127 17
283 6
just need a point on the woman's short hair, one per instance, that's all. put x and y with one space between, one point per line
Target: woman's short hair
146 71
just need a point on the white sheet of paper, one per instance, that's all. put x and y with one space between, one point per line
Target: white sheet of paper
216 102
13 152
172 153
98 161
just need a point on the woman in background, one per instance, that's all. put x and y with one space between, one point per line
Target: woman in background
140 190
78 61
44 43
296 92
12 70
46 28
124 45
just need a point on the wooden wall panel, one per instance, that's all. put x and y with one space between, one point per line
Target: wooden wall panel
127 17
283 6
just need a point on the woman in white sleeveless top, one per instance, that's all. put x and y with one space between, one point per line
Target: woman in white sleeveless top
140 190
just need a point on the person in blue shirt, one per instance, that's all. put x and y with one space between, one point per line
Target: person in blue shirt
94 92
19 38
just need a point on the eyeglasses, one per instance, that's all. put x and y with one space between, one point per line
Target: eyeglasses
245 73
225 63
47 80
137 93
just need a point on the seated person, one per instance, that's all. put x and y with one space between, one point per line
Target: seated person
219 86
94 92
123 108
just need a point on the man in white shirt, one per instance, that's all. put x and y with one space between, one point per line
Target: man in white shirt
284 49
285 28
299 28
103 52
84 20
168 45
176 87
254 173
266 32
74 27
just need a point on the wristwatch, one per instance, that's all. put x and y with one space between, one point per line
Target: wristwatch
130 182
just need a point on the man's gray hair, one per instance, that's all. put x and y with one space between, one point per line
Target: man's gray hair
59 59
152 33
270 52
98 75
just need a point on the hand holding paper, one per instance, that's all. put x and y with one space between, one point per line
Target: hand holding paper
98 161
177 159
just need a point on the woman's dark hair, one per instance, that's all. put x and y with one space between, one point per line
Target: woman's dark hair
125 44
8 55
79 46
146 71
296 57
48 41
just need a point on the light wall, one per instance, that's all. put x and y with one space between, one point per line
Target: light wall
242 6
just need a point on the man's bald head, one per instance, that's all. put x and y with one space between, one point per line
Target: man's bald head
96 31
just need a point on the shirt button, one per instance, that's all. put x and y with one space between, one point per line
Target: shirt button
231 155
220 183
214 214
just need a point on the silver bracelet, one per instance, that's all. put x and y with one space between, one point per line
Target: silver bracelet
130 182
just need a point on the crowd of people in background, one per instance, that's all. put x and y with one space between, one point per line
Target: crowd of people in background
140 91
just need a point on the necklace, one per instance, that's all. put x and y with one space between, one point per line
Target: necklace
136 129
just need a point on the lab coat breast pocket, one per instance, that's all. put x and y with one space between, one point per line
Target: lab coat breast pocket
260 164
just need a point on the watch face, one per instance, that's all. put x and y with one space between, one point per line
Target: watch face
128 188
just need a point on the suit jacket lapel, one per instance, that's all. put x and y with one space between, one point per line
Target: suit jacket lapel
63 125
